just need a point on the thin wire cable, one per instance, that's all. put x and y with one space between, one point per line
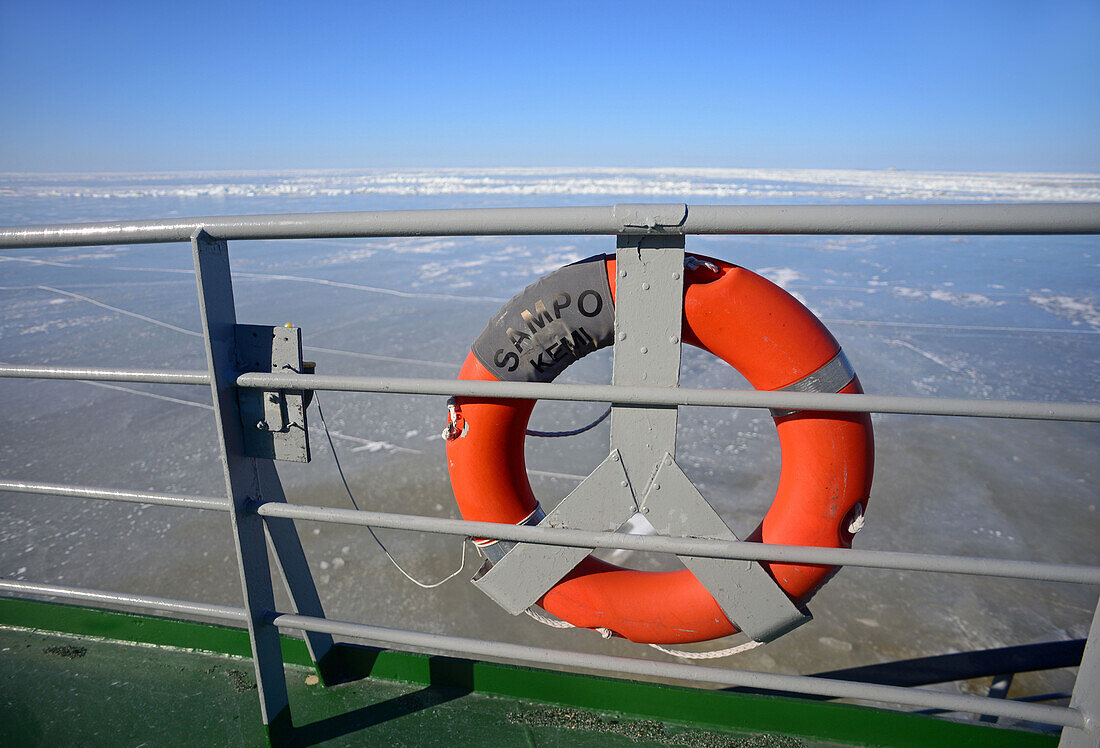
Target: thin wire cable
355 504
574 432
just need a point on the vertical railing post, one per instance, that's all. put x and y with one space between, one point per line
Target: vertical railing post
1086 693
290 558
241 479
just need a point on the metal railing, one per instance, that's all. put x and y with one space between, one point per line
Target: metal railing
249 516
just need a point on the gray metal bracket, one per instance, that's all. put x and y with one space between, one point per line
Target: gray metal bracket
603 501
743 589
648 322
649 282
649 303
273 421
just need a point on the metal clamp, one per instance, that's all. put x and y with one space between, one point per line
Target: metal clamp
650 218
273 421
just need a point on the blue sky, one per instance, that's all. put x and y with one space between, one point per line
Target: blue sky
121 86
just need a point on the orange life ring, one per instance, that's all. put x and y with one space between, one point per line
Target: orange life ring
827 457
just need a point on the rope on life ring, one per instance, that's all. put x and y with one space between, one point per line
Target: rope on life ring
747 321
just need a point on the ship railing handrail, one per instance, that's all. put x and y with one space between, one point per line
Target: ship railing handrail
542 656
625 394
674 219
565 537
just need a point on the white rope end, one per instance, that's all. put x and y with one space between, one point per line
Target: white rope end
730 652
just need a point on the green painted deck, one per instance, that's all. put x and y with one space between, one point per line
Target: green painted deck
89 677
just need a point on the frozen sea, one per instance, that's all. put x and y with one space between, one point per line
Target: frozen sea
989 317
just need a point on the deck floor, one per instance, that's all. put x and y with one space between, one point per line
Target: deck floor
65 690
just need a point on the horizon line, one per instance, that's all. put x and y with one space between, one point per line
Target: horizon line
547 169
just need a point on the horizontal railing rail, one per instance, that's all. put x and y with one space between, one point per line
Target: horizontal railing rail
691 546
560 536
117 494
671 219
88 374
1047 218
609 664
626 394
125 600
638 395
910 696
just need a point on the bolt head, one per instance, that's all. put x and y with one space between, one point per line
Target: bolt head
644 349
645 286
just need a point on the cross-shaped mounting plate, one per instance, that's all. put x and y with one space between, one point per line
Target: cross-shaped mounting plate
641 473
